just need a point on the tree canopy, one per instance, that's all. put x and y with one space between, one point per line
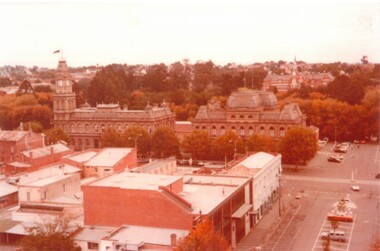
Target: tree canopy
198 144
51 233
298 145
203 238
164 143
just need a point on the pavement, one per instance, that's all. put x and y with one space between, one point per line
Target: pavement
264 229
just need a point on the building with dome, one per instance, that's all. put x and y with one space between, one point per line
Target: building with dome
249 112
85 125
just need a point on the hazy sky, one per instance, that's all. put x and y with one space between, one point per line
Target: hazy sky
154 32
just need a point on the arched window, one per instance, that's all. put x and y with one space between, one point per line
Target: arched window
282 132
86 128
242 131
233 129
241 117
96 127
203 127
119 128
271 131
103 128
80 128
250 131
250 116
72 127
262 130
197 128
232 116
222 130
213 131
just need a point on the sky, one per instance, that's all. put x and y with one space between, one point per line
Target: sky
147 32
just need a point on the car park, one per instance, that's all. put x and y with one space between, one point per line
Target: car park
355 188
334 235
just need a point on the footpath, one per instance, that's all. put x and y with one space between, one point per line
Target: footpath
263 230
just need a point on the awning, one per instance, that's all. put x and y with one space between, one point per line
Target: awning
242 211
7 224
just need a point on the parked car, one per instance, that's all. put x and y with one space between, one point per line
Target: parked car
334 235
355 188
334 158
340 149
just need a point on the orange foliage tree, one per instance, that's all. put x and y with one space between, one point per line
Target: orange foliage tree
203 238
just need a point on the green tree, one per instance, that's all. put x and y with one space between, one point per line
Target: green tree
326 244
224 146
198 144
54 135
346 89
5 82
156 78
258 143
51 233
110 138
298 145
164 143
203 75
139 137
203 238
334 224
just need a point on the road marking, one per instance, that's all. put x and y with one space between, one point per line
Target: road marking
319 234
283 232
352 229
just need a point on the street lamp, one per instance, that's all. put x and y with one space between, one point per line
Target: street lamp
135 139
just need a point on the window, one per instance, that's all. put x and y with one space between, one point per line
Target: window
86 127
262 130
242 132
241 117
233 129
80 127
213 131
282 132
93 245
250 131
203 127
222 130
271 131
96 127
232 116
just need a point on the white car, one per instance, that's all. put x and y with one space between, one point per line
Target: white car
355 188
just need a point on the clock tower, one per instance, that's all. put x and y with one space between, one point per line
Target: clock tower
64 102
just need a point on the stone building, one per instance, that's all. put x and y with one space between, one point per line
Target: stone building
249 112
85 125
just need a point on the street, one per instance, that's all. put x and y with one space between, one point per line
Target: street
318 187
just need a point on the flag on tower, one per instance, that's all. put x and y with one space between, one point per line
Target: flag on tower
57 51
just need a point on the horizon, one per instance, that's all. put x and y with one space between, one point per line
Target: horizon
149 33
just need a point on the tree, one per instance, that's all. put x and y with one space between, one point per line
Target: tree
346 89
198 144
164 143
110 138
137 136
203 238
326 244
334 224
298 145
51 233
54 135
342 206
258 143
224 146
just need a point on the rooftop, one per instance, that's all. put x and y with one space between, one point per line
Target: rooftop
11 135
46 150
82 156
150 235
205 193
6 188
108 157
127 180
257 160
45 175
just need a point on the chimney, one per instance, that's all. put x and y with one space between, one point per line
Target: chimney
173 240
